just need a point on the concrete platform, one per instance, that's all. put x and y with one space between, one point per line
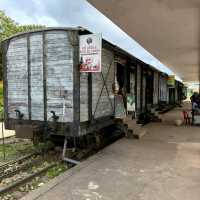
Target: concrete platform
163 165
136 130
7 133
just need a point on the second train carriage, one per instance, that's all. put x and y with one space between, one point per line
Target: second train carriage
44 88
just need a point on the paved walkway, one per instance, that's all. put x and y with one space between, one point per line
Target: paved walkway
163 165
7 133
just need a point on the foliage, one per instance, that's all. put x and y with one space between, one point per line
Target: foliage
56 171
15 150
9 27
44 147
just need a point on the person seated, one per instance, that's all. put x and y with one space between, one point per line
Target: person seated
195 107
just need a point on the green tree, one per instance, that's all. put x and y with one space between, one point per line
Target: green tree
9 27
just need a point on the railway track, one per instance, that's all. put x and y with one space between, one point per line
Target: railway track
4 166
25 179
8 140
14 171
10 168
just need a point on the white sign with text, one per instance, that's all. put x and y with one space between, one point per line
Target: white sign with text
90 48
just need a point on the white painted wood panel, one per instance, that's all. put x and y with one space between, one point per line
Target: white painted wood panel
36 65
59 65
104 107
83 97
17 77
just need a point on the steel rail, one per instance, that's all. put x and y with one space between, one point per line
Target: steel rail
4 166
15 170
24 180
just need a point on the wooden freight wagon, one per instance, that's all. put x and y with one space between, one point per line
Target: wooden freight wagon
176 94
45 92
44 89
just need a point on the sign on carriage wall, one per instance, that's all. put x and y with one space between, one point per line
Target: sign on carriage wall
90 52
171 81
130 102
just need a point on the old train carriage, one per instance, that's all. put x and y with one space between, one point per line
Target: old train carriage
43 86
44 89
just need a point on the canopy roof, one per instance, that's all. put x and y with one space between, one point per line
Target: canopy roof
168 29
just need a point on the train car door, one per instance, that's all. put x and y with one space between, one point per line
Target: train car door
149 90
120 92
131 91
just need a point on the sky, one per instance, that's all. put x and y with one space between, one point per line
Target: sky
75 13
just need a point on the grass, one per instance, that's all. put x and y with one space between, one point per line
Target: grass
13 151
56 171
